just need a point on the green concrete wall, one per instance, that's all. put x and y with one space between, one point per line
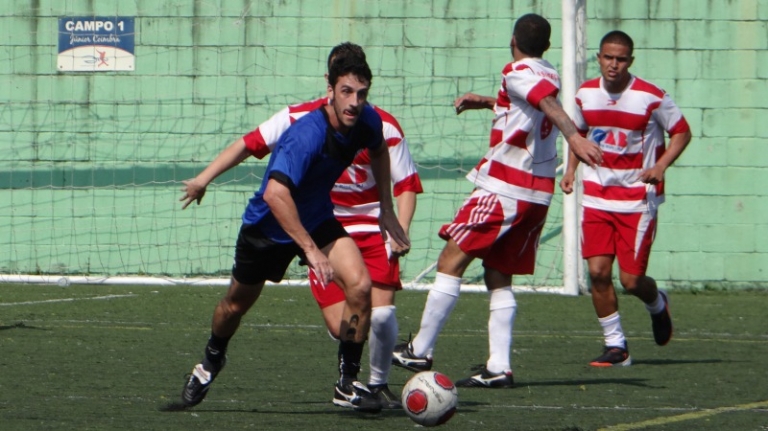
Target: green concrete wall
90 163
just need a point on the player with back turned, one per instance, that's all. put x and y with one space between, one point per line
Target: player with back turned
502 219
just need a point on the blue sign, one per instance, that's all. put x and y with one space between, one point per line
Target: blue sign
96 43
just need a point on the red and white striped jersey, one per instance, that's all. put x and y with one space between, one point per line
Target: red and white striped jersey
355 197
522 158
629 127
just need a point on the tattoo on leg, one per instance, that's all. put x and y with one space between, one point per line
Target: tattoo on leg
354 320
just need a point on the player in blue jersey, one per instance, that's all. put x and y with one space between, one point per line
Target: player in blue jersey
292 215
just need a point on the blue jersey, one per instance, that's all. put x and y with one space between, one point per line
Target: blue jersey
308 158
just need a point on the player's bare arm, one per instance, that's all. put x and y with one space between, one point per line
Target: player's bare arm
390 226
278 196
473 101
406 207
569 176
677 144
586 150
194 189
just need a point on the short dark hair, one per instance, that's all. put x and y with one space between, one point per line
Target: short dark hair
349 64
531 34
619 38
345 48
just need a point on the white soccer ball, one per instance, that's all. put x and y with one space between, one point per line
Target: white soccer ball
430 398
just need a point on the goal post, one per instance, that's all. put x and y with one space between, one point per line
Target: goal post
573 74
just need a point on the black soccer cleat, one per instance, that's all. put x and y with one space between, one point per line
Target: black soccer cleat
197 385
355 395
662 323
403 357
487 379
613 356
387 399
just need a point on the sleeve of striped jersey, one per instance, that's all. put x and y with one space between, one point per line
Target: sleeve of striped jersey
578 118
261 141
403 171
670 116
526 85
402 168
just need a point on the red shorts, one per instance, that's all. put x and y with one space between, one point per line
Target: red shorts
628 236
501 231
384 270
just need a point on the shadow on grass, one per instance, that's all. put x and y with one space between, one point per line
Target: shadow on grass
21 325
630 382
323 410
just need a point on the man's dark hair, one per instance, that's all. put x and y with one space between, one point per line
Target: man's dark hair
619 38
531 34
345 48
350 63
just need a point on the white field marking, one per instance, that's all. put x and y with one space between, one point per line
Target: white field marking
725 338
51 301
686 416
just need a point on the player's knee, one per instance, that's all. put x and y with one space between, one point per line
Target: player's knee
381 315
234 308
359 298
635 285
600 277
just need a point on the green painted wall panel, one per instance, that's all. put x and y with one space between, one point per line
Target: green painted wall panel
208 72
723 35
696 9
704 152
637 10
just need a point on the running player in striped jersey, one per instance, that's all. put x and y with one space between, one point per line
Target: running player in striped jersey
502 219
627 116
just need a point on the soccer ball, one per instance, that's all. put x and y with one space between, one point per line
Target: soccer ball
429 398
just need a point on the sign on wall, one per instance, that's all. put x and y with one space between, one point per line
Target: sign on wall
96 44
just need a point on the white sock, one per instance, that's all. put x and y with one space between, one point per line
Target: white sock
614 335
656 306
502 317
381 343
440 302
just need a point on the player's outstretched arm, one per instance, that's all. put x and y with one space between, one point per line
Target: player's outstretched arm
194 189
473 101
586 150
390 226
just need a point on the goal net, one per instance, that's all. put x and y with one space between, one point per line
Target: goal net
92 164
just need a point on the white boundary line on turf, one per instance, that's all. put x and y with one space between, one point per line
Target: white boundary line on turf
50 301
686 416
65 281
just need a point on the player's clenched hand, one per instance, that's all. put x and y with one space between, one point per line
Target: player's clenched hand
320 264
653 175
391 229
397 249
193 191
586 151
566 183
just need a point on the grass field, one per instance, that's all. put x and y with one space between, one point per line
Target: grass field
110 357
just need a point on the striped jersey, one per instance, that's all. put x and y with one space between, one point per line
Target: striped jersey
355 197
629 127
522 157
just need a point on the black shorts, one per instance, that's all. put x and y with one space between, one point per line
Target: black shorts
258 258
